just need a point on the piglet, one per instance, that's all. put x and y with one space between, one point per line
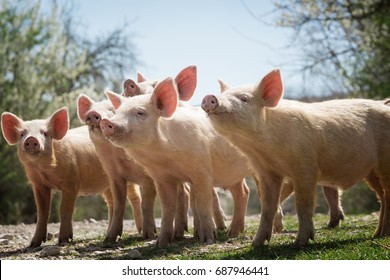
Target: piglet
334 143
120 168
177 144
60 160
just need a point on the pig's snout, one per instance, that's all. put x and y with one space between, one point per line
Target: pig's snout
93 118
31 145
107 127
209 103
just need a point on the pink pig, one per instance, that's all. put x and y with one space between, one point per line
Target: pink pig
61 160
334 143
175 145
120 169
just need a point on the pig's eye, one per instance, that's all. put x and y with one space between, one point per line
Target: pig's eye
22 134
140 114
44 133
112 109
244 98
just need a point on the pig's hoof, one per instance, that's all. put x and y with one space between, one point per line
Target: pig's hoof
35 244
234 230
163 241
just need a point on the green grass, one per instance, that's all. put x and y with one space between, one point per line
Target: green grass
353 240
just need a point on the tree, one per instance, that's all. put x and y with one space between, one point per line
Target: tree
345 41
44 65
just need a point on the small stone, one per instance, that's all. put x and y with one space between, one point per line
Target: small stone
50 236
134 254
50 251
7 236
4 241
92 221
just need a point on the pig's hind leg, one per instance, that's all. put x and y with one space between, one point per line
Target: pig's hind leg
66 215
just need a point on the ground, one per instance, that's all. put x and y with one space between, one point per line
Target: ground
351 240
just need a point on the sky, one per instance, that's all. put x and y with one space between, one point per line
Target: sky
222 38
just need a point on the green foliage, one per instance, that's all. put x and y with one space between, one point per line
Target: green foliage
44 65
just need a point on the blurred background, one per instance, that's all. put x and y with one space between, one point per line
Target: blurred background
51 51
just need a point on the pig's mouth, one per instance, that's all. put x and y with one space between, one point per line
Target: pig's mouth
32 155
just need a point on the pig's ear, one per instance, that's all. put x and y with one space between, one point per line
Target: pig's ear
186 82
140 77
84 104
58 123
164 97
271 88
115 98
9 126
222 85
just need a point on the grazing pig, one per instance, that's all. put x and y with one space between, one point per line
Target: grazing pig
333 143
177 144
61 160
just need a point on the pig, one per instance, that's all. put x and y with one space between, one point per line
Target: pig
332 195
177 144
60 160
185 82
120 169
334 143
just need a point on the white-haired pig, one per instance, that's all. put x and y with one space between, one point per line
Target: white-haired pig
185 82
333 143
177 144
61 160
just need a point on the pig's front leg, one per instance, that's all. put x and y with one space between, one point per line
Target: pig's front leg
204 211
168 197
240 193
42 197
148 194
107 195
305 189
134 198
269 189
119 192
181 218
66 215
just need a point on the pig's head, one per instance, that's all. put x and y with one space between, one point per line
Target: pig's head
243 108
136 121
185 82
142 86
91 113
34 138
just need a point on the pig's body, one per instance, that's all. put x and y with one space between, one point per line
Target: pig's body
59 163
333 143
182 148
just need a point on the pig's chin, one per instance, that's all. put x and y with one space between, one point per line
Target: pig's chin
32 156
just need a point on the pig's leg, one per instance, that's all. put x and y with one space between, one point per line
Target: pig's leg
218 214
240 193
66 212
336 212
269 189
194 214
287 189
305 190
204 209
119 192
107 195
134 197
168 197
181 217
42 197
148 193
374 183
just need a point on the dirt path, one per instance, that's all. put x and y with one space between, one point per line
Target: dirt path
88 234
